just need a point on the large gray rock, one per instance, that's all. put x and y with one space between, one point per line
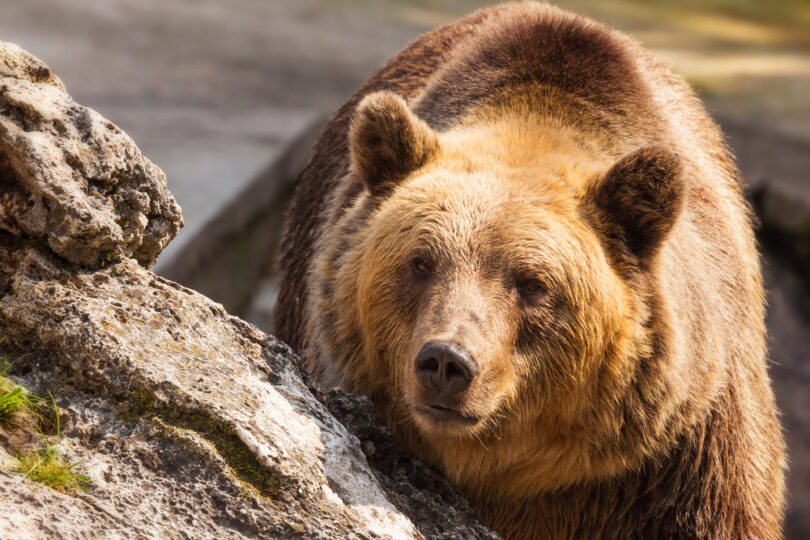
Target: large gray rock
73 179
189 422
166 358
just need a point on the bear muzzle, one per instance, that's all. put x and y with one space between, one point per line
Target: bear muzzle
445 369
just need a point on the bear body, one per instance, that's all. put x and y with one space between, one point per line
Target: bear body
525 240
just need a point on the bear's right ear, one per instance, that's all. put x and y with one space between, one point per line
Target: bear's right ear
388 141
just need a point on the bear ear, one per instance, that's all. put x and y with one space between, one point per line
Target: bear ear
638 201
388 141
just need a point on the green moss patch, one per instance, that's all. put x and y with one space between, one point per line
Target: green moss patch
239 458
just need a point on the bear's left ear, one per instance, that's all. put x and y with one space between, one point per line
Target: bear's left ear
637 202
388 141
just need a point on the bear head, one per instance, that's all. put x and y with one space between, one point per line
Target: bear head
488 290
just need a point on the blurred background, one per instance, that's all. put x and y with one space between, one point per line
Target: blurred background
226 96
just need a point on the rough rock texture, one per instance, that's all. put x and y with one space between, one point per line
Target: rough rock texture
189 422
72 178
425 497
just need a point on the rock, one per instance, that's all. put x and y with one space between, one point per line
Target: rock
168 358
425 497
190 423
72 179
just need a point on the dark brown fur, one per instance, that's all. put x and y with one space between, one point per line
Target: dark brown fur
394 142
637 203
676 229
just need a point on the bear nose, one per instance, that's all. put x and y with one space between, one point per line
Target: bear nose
445 368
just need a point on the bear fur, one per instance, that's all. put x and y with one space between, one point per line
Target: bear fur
538 192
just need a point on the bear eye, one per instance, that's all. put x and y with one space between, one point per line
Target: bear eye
531 287
421 268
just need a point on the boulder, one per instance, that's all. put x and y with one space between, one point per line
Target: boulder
72 179
189 423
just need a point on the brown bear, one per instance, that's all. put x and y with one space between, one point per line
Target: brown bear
525 240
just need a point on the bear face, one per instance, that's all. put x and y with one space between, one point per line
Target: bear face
488 299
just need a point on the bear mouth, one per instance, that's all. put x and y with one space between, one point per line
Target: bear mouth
447 415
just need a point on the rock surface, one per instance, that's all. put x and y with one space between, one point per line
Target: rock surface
189 422
73 179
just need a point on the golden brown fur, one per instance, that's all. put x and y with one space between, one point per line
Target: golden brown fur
576 223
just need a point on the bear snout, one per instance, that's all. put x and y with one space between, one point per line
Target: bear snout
444 368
